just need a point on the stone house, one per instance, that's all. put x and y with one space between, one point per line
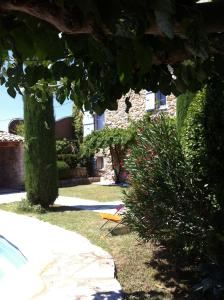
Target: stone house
11 161
12 151
141 103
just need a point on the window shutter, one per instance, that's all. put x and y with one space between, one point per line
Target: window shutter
150 101
88 123
100 121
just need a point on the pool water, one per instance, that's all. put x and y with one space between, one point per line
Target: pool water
11 258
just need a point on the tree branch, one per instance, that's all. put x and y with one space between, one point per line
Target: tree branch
66 21
71 20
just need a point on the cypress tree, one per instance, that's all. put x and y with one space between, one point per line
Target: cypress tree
40 153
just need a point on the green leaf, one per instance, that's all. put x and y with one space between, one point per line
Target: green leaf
59 69
11 91
2 80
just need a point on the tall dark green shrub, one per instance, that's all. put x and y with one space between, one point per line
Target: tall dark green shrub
214 148
40 155
202 138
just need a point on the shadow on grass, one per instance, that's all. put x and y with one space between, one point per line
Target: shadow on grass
152 295
138 295
122 230
63 208
178 276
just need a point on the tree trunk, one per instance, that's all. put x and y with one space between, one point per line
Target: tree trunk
117 157
40 153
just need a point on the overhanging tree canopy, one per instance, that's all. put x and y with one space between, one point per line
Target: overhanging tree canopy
94 51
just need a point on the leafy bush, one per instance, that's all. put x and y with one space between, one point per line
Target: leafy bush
20 129
71 159
27 207
162 203
65 146
63 170
62 165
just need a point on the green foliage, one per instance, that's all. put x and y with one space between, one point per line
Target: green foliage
40 156
214 165
162 203
65 146
63 170
77 125
117 140
193 136
108 137
202 140
70 159
121 48
183 102
25 206
62 165
19 129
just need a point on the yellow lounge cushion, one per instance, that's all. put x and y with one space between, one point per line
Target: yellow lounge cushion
115 218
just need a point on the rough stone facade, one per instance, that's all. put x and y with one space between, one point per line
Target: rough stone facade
12 166
120 118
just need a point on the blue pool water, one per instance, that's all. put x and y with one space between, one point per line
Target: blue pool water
11 258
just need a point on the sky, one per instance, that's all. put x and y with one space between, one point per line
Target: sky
13 108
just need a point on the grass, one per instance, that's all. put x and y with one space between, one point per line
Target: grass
94 192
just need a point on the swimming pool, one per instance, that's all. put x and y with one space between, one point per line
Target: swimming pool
18 280
11 258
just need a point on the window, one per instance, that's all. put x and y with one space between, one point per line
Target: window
160 100
99 121
88 123
150 101
99 163
155 100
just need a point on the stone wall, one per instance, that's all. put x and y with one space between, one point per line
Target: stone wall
120 118
12 166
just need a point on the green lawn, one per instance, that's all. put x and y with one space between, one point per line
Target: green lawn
94 192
